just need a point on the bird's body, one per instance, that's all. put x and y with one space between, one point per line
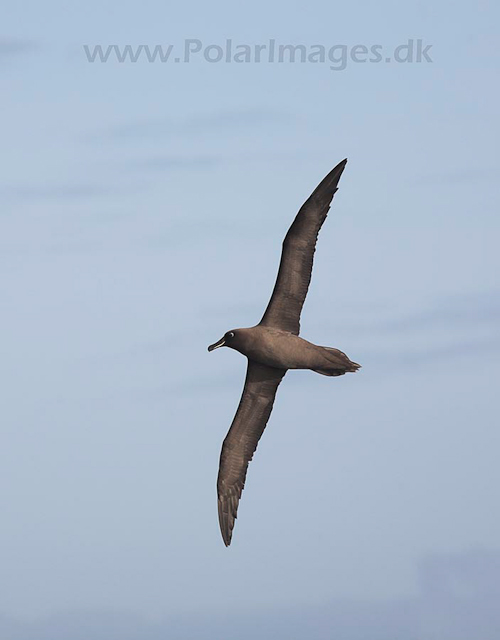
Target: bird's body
274 346
285 350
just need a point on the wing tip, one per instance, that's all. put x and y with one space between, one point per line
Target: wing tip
328 186
226 524
337 170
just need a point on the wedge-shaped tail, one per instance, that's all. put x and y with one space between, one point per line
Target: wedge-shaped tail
340 363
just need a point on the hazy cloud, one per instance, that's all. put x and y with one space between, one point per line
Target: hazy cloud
68 191
458 600
466 311
176 163
396 357
455 177
12 47
196 124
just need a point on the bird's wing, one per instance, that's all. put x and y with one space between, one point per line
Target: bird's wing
294 274
241 441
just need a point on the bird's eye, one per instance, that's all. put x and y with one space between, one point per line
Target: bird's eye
230 334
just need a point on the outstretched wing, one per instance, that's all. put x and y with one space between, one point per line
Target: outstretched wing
294 274
241 441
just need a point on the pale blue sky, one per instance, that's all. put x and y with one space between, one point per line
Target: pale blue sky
143 210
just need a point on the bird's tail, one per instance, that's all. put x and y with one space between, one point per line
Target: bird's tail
338 363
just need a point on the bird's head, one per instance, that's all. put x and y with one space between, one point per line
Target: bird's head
229 339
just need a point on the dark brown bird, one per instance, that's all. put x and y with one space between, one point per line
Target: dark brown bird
273 347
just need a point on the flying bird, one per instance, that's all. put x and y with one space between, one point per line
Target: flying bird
274 346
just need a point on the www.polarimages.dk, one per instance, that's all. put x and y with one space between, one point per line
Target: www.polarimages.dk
338 56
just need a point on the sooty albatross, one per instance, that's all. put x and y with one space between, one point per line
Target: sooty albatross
273 347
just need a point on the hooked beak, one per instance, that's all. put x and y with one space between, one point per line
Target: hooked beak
216 345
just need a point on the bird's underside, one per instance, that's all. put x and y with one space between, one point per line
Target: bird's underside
280 322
